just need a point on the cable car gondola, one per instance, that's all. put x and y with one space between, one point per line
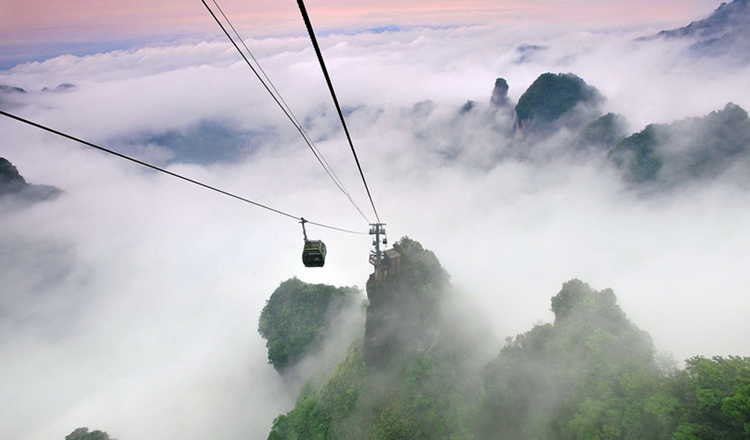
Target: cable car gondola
314 252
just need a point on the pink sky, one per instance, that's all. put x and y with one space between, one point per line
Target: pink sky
22 19
28 25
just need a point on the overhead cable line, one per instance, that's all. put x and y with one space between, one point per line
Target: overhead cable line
310 30
266 81
162 170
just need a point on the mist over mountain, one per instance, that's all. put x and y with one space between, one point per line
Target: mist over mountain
559 118
725 32
205 142
9 95
592 373
412 373
695 149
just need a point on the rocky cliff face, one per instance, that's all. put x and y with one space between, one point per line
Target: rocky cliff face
500 97
403 315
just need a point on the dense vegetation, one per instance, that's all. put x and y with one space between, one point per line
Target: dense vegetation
588 375
592 374
297 316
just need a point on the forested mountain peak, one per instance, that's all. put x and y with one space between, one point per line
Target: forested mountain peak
555 100
297 317
408 376
403 314
590 374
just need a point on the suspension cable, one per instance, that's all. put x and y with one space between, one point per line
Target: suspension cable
276 95
170 173
314 40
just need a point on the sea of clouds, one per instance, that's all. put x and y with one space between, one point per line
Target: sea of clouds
130 302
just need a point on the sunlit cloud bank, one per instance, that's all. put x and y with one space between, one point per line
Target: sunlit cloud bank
130 302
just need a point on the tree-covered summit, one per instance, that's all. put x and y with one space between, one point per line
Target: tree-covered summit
594 375
297 316
580 377
552 97
404 310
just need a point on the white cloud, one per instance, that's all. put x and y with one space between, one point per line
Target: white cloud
135 297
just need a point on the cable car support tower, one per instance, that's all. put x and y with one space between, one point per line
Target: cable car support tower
377 230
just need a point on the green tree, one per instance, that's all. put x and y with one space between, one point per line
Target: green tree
714 398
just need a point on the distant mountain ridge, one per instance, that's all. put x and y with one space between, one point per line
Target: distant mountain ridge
725 32
689 149
726 18
660 156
